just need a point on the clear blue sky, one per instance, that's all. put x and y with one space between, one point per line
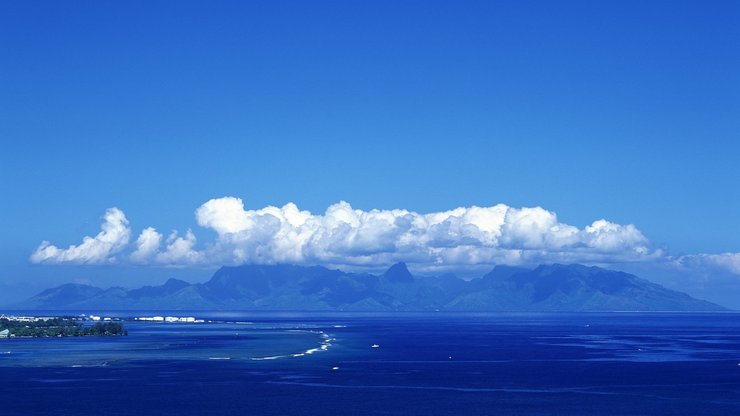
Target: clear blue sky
624 110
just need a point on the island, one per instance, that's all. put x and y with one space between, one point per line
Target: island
290 287
33 327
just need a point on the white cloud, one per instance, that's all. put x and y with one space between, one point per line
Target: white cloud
179 251
113 237
611 237
728 262
147 245
463 236
344 236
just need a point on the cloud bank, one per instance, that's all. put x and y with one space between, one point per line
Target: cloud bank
344 236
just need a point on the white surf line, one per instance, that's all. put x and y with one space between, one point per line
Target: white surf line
324 345
272 357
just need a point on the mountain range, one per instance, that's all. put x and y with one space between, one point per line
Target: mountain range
553 287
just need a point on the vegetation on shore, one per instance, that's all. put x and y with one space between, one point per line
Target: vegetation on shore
61 327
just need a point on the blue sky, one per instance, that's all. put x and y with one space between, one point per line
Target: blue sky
619 110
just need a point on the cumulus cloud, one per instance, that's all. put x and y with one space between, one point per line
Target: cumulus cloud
345 236
147 245
113 237
463 236
179 250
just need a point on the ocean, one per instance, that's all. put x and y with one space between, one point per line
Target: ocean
246 363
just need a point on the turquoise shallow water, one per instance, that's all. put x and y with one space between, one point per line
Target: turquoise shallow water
450 364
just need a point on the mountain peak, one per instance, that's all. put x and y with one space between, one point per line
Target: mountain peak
71 289
66 293
502 271
399 273
173 283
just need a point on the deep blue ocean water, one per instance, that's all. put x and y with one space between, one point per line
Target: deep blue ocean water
425 364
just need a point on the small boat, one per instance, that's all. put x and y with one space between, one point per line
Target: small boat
375 346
